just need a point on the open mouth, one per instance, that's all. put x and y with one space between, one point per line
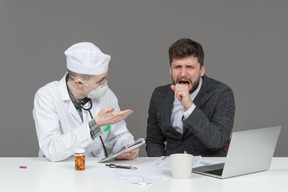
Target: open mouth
183 82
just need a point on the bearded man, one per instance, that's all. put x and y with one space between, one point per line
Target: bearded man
193 115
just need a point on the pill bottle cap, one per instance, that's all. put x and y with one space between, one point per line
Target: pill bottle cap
80 150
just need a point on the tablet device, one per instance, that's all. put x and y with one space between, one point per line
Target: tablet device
135 145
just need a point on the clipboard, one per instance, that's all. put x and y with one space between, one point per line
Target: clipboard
135 145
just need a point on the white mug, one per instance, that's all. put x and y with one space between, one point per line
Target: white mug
181 165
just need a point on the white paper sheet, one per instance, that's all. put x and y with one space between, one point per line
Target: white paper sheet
164 162
142 176
160 170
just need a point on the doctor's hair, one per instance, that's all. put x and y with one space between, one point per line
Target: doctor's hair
186 47
82 76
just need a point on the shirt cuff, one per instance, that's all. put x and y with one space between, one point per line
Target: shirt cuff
95 131
187 113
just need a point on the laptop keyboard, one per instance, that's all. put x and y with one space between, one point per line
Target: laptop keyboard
216 172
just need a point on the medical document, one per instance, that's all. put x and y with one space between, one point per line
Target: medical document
164 162
160 170
141 176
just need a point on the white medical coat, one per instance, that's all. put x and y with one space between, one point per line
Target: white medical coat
60 129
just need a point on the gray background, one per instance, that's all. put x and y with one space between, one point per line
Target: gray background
245 44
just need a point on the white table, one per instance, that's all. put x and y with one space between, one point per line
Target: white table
42 175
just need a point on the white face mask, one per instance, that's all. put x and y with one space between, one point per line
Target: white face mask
95 93
98 92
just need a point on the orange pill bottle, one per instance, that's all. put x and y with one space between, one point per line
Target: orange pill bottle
80 159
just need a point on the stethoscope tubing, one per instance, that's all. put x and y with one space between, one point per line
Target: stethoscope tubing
89 110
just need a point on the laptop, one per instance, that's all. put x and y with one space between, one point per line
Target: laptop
250 151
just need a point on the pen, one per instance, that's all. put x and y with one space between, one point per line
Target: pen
120 166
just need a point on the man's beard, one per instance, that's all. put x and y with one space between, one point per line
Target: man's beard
194 85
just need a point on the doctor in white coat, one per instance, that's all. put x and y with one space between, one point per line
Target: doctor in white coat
61 112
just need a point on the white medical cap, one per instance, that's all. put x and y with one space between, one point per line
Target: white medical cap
86 58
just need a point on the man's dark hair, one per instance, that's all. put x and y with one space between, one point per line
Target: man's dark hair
186 47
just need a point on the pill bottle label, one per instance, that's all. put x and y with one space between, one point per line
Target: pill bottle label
79 161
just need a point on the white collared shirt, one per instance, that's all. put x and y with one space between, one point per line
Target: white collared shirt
178 110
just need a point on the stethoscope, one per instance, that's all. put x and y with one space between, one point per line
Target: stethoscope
89 110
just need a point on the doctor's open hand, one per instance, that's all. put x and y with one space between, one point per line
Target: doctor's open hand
108 116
